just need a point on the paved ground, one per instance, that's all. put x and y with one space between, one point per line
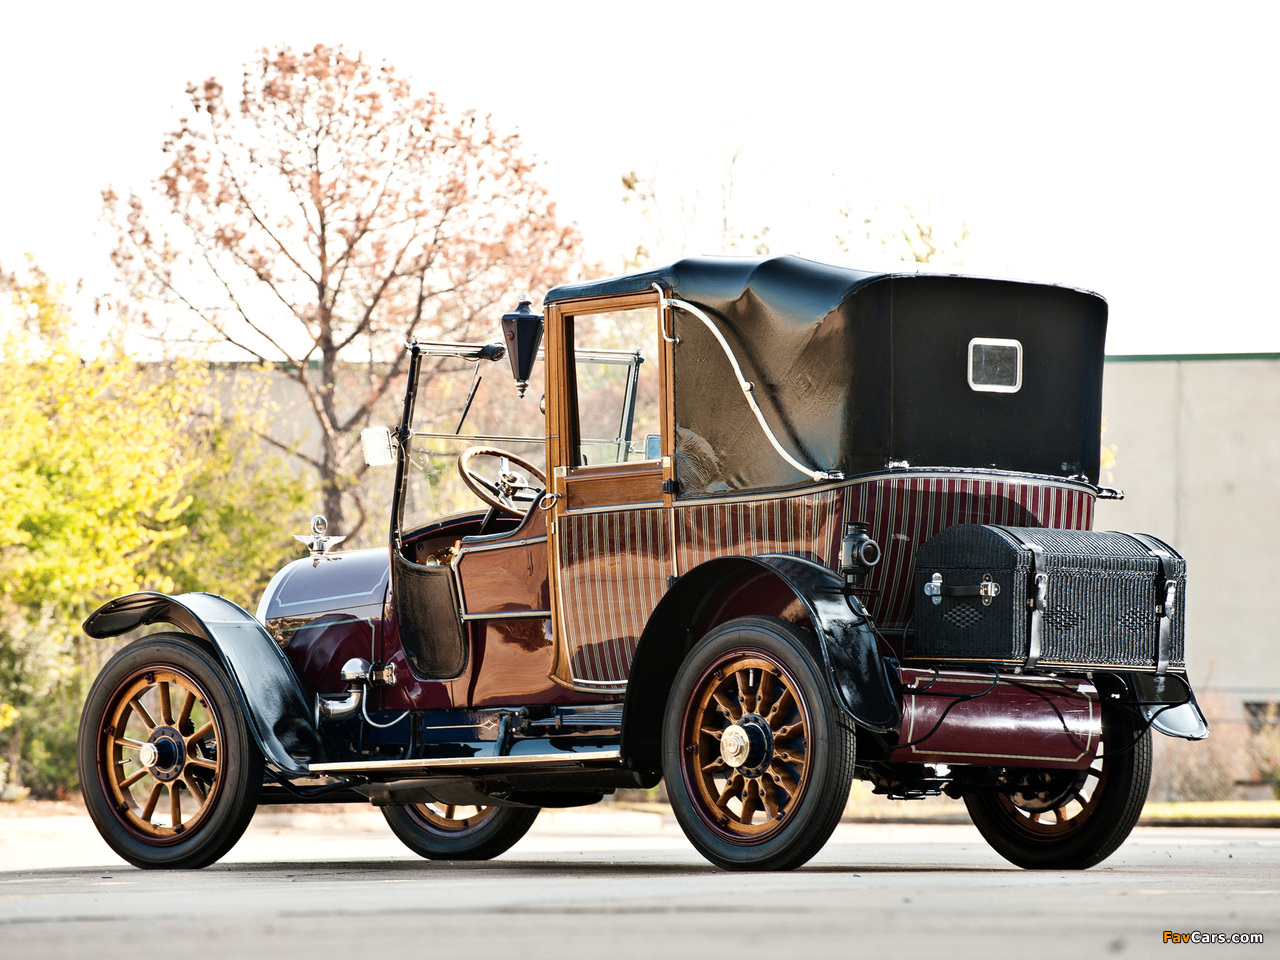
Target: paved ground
627 884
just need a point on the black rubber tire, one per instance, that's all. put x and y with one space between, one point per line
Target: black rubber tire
224 764
796 785
496 831
1107 805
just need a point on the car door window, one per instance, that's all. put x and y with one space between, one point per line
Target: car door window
615 390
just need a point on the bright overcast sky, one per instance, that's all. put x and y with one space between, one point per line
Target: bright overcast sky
1124 148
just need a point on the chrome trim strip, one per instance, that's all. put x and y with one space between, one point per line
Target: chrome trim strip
614 508
601 686
453 763
508 615
991 476
486 547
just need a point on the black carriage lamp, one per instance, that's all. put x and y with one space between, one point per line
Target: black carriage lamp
522 331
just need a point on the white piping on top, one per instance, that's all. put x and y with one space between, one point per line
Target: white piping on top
818 476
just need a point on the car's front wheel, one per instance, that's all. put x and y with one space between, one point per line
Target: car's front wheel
441 831
1070 819
169 769
758 758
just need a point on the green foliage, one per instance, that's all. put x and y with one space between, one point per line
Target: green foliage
118 476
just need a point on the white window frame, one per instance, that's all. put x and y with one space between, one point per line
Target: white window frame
993 387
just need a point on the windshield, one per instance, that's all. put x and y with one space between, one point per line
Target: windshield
465 397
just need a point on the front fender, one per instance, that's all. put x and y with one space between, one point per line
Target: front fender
847 645
265 684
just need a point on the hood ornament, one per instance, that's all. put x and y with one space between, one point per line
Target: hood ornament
318 544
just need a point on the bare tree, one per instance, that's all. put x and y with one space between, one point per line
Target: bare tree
906 237
324 213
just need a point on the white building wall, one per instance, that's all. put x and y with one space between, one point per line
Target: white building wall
1198 455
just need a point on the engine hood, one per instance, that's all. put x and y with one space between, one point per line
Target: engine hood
353 583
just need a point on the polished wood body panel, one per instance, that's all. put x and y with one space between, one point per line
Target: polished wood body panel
622 485
509 575
611 557
511 666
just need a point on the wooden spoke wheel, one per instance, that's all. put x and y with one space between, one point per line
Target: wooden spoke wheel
169 771
757 756
441 831
1070 819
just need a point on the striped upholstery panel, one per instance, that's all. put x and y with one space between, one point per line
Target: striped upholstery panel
807 525
614 571
615 564
903 512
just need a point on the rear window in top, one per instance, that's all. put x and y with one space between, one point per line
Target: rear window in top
995 366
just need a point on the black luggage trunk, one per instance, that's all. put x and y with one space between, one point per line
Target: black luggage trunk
1049 598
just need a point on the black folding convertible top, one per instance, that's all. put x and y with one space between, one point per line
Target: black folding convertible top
858 371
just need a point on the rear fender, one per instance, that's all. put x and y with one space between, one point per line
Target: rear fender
844 643
264 681
1166 701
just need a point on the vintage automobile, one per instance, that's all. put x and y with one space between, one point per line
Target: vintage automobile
797 524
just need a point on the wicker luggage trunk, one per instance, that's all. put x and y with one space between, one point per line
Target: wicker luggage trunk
1047 598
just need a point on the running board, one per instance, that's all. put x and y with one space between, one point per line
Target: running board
454 764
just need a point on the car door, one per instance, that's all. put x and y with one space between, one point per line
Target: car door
609 453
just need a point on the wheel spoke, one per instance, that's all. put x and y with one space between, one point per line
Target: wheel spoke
766 691
152 799
175 804
200 734
769 793
731 789
193 785
166 709
782 708
204 763
782 777
715 764
185 714
136 703
127 742
788 730
750 801
727 705
133 778
746 698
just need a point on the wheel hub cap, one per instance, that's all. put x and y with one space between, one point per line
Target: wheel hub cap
734 746
747 745
163 754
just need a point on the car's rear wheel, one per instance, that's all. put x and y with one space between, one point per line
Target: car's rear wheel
441 831
1071 819
758 758
169 768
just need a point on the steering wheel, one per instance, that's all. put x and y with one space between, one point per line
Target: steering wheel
512 492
